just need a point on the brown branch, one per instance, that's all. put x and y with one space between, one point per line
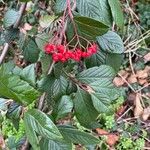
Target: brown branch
6 46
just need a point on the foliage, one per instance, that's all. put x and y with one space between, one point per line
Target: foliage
56 85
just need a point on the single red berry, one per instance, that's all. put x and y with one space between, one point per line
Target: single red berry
60 48
63 59
84 54
49 48
55 57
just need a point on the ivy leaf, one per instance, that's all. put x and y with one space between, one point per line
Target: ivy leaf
117 12
90 27
111 42
46 144
63 107
30 51
38 122
78 137
96 73
10 18
82 102
96 9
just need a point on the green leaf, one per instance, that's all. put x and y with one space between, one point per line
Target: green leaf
28 74
78 137
84 109
100 102
30 51
55 145
64 107
96 73
90 27
10 18
11 86
114 60
30 132
97 59
38 122
24 0
46 20
96 9
111 42
117 12
59 88
42 39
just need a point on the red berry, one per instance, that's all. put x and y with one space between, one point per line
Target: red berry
55 57
84 54
60 48
49 48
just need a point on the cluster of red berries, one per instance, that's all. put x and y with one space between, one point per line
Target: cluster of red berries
60 53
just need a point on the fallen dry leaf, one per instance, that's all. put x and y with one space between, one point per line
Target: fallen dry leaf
142 74
142 81
132 79
118 81
146 113
138 110
147 57
111 140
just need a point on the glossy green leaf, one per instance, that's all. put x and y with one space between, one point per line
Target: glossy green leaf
96 9
84 109
96 73
111 42
90 27
55 145
64 106
38 122
10 17
77 137
30 51
117 12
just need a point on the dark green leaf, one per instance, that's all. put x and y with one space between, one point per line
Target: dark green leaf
64 107
10 17
114 60
96 73
55 145
111 42
90 27
78 137
97 59
84 109
96 9
30 51
11 86
28 74
38 122
117 12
